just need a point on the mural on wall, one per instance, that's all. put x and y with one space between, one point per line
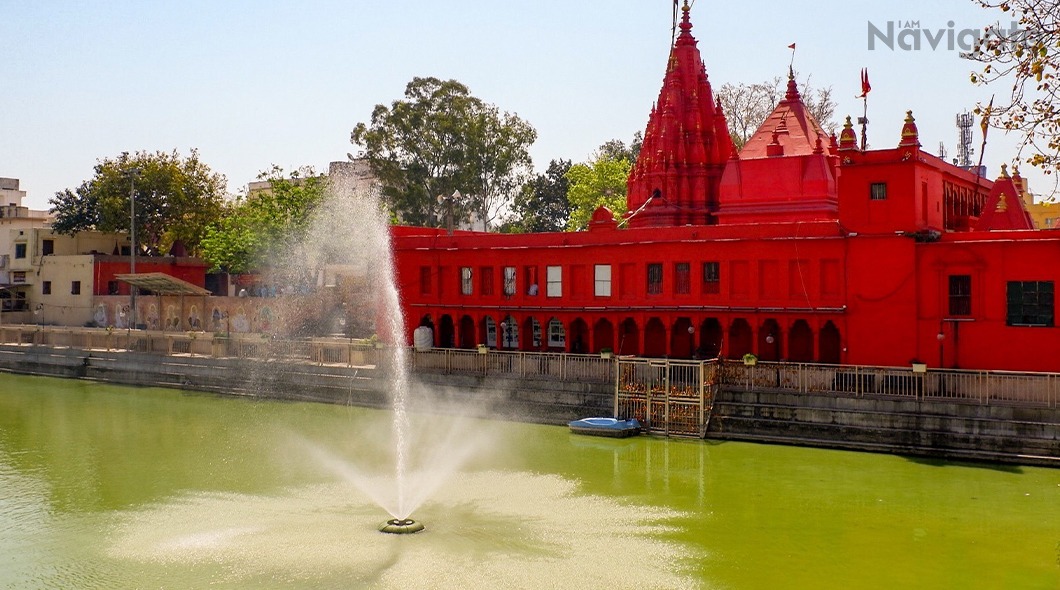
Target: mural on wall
194 322
152 317
100 317
264 319
239 322
215 320
172 319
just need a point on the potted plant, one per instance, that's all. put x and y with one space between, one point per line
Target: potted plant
482 349
750 360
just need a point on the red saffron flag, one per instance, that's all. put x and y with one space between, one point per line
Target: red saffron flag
865 86
792 46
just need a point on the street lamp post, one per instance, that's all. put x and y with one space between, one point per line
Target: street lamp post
132 242
691 341
38 312
448 202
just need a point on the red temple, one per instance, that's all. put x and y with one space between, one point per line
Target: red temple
800 247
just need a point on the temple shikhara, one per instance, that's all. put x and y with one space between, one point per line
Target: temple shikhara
801 246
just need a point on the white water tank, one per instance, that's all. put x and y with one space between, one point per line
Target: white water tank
423 338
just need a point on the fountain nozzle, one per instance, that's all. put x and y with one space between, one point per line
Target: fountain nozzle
401 526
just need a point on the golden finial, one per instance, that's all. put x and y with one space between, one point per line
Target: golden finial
1004 171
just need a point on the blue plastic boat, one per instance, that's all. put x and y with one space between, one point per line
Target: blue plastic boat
612 427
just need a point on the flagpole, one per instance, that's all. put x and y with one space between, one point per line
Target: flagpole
984 125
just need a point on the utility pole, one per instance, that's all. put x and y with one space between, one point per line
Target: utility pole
132 245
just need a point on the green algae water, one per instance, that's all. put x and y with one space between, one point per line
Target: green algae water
114 487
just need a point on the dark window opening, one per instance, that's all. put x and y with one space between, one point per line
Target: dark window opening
711 277
1030 303
960 295
487 280
75 288
655 278
46 288
425 280
47 247
878 191
20 250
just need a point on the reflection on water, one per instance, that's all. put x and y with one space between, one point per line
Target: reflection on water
489 529
111 487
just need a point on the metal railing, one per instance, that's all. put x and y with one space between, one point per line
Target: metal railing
953 385
964 386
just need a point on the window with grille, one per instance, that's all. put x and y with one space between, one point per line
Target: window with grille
466 283
509 281
20 250
960 295
682 278
557 336
1030 303
711 277
655 278
878 191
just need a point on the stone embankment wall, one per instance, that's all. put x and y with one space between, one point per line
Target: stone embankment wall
1000 433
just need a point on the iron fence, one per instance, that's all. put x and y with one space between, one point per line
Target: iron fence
664 379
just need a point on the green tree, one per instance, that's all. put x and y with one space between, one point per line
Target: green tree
440 140
599 182
176 198
1027 56
542 203
498 160
265 226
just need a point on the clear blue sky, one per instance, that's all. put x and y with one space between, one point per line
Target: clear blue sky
255 83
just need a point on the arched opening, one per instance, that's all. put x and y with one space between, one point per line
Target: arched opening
800 342
446 332
488 332
532 334
741 338
603 335
769 341
579 336
509 333
628 337
683 339
655 338
710 337
829 345
557 336
467 332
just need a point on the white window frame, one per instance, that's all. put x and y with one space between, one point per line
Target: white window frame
554 278
602 280
491 332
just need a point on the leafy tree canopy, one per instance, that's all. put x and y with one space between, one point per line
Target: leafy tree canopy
542 204
599 182
1026 56
261 228
176 198
441 141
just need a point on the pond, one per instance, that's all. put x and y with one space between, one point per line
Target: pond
104 486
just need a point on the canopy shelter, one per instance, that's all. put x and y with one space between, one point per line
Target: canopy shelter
159 284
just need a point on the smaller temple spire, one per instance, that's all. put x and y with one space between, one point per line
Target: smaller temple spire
793 87
848 140
910 134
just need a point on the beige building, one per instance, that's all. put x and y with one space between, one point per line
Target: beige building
15 220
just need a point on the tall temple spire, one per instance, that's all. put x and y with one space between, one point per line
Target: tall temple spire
686 143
